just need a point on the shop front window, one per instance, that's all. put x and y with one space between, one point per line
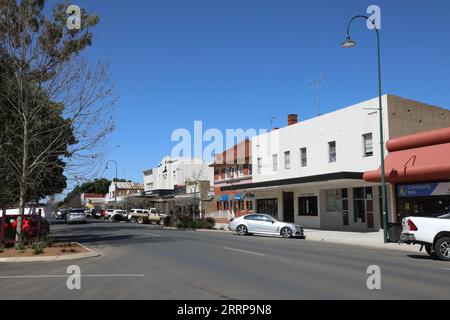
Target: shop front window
267 206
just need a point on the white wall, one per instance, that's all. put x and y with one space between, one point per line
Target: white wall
172 172
345 126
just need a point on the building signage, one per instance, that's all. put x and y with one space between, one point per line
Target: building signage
423 190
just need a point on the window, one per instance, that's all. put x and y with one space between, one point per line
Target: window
362 203
368 145
267 206
254 217
241 171
332 151
250 170
250 205
303 157
259 165
336 200
287 160
233 172
266 219
220 174
307 206
275 162
241 205
227 173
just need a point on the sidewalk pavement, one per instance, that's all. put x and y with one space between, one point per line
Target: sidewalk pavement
367 239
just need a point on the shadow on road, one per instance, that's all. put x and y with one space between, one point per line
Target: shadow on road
113 240
421 257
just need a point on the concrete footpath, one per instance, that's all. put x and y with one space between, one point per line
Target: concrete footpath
365 239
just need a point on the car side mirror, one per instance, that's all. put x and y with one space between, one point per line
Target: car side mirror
273 221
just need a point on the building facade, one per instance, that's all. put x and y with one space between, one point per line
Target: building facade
173 173
311 172
232 168
418 168
120 190
91 200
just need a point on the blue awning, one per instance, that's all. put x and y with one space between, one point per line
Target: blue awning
224 197
238 197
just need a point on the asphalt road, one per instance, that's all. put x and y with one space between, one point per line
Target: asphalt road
145 262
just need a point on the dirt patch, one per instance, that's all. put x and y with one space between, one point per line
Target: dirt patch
58 249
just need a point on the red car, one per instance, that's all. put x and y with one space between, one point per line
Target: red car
30 226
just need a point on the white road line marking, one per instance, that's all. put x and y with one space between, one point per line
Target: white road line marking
448 269
82 275
245 251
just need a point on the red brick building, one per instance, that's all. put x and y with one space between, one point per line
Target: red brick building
232 168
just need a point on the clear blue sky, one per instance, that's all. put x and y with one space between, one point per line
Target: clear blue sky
234 63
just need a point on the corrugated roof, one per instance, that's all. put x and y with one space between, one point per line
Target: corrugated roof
130 185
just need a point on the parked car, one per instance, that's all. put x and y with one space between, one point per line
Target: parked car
32 225
264 224
152 215
96 214
61 214
116 215
76 216
431 233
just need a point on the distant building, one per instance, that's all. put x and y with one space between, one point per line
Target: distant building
123 190
173 173
92 199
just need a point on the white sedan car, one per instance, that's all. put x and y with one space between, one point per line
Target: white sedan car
264 224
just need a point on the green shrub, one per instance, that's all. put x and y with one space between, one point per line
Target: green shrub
37 248
195 224
47 240
181 225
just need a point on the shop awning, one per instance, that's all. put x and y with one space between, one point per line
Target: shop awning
416 158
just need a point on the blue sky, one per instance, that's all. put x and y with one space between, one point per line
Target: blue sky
234 63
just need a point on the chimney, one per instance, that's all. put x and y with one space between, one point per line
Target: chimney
292 119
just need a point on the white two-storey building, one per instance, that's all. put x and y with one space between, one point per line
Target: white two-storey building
311 172
172 173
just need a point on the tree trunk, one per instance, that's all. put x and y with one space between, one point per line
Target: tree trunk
23 186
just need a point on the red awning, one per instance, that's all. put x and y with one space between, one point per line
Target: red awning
416 158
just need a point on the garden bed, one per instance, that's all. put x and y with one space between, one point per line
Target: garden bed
56 250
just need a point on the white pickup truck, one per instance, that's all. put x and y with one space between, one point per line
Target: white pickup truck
431 233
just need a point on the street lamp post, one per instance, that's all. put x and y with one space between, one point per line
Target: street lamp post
348 43
115 182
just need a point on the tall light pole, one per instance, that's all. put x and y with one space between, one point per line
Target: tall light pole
115 182
349 43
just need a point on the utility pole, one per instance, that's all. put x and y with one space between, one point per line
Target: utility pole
317 84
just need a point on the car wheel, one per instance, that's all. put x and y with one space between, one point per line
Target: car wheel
140 220
442 249
242 230
286 233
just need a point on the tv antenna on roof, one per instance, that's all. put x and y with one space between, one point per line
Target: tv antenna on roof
317 85
271 119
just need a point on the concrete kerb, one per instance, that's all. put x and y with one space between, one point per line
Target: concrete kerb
310 236
76 256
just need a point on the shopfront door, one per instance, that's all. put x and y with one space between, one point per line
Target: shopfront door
288 206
